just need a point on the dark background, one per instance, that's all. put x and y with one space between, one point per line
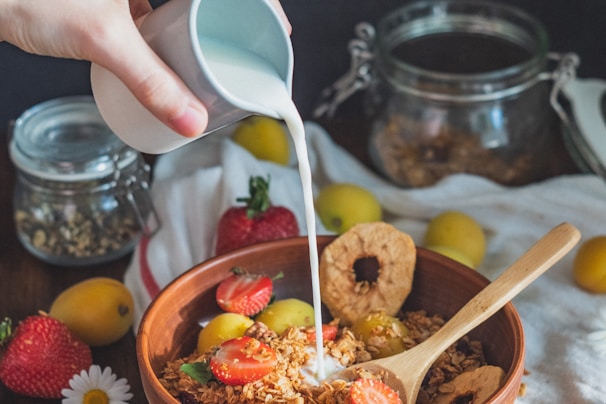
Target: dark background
321 30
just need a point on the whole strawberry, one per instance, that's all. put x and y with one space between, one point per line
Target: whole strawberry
257 221
41 357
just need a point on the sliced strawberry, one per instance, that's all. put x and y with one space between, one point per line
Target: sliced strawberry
329 333
242 360
373 391
244 293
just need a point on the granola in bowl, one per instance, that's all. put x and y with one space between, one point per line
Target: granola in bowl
288 383
489 359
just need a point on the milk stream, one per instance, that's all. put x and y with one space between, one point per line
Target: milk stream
253 80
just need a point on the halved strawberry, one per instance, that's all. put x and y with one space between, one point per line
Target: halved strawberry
373 391
329 333
242 360
244 293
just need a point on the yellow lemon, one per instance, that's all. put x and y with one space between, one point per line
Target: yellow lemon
340 206
264 137
452 254
281 314
457 231
589 266
98 310
222 328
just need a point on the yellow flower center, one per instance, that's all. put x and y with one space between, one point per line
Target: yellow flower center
95 396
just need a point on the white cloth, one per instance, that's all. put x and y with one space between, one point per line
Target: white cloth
195 184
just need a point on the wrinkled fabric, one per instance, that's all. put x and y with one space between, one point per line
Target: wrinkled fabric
195 184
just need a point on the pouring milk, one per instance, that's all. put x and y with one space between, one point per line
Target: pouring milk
252 79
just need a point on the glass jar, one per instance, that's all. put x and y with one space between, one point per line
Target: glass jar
81 195
455 87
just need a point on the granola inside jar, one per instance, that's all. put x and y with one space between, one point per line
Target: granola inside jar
81 195
454 86
458 89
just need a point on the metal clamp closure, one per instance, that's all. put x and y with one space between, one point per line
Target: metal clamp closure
565 71
358 77
137 194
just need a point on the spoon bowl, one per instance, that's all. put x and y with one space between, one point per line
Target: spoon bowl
405 371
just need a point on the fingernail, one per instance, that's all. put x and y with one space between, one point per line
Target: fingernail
191 122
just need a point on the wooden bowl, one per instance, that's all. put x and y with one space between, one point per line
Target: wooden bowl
169 327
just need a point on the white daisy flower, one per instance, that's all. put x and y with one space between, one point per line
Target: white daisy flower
598 337
95 386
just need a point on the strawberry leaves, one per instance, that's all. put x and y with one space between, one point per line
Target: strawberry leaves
199 371
5 331
258 200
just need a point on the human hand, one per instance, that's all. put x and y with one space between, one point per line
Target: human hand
105 32
283 17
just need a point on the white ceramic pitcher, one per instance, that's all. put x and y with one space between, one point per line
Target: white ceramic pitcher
173 31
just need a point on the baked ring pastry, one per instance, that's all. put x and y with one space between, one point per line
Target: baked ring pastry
348 297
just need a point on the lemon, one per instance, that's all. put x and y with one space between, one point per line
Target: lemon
452 254
222 328
98 310
457 231
282 314
340 206
264 137
589 266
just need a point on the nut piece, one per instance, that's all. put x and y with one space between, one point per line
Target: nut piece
350 298
473 387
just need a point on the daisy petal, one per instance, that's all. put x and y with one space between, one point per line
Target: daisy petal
96 379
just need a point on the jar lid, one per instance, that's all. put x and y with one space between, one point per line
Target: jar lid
66 139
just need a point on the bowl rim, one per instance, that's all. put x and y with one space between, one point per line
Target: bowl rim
151 381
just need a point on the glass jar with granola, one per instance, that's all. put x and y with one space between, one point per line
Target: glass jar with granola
81 195
455 87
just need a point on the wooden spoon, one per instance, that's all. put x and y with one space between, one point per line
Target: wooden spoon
405 371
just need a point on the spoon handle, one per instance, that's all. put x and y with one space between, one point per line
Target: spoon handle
540 257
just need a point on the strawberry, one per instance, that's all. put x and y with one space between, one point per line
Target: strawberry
329 333
242 360
41 358
256 221
372 391
244 293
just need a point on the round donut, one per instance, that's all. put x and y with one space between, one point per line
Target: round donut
350 299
